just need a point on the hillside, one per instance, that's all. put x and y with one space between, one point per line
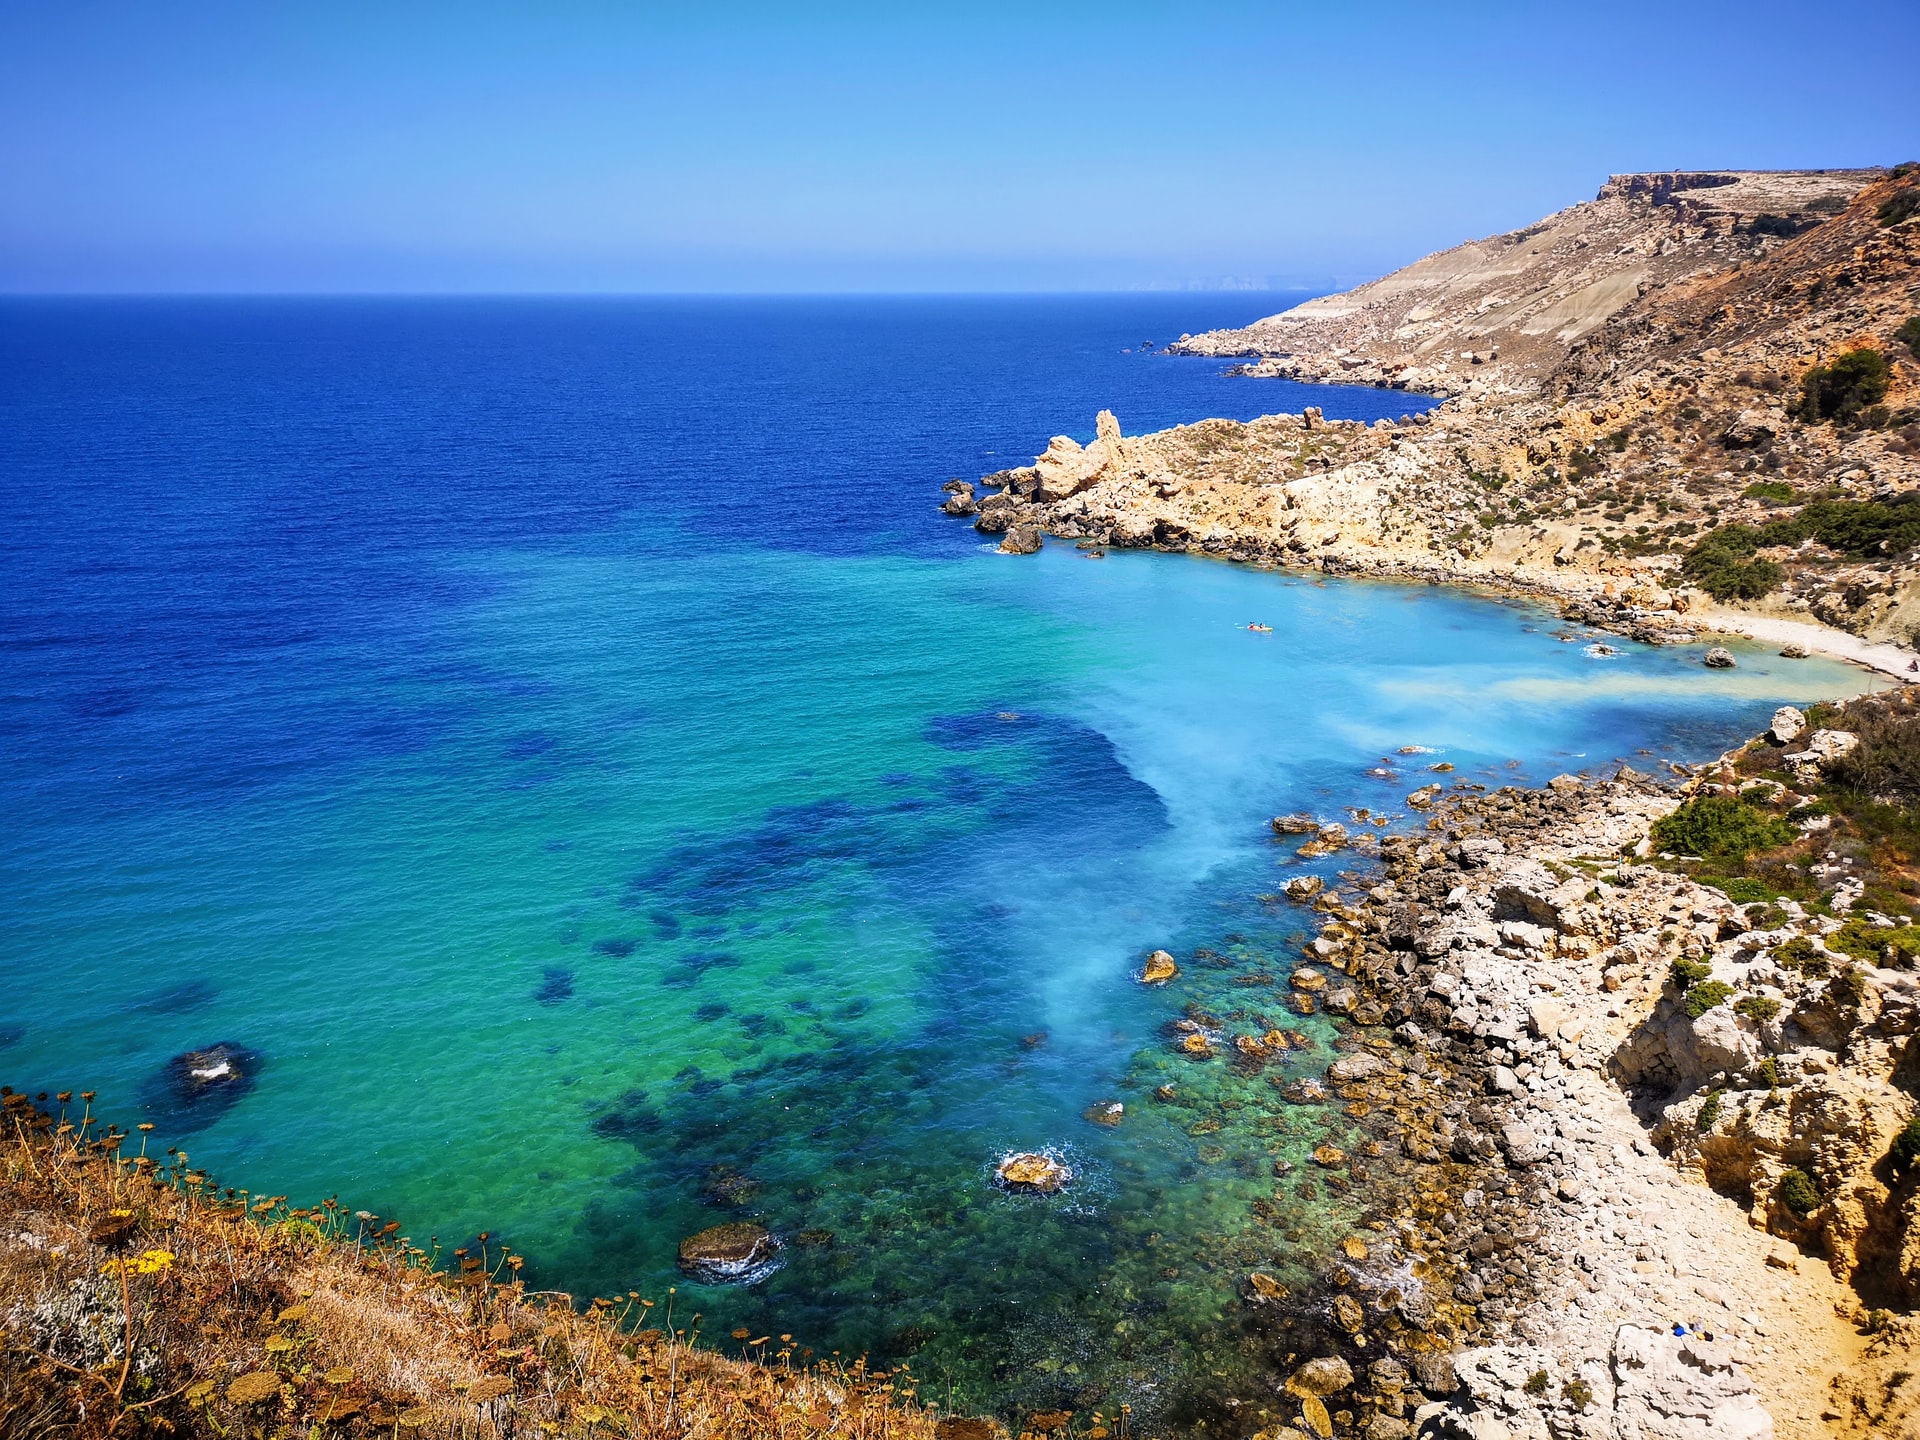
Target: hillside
1498 315
1653 453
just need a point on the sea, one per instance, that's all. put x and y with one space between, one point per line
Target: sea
560 748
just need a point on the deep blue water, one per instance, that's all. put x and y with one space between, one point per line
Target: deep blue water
563 742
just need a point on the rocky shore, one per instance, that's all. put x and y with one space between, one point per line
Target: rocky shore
1661 1190
1681 451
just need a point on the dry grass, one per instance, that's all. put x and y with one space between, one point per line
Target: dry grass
137 1299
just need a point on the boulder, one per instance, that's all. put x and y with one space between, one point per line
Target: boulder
1321 1377
960 502
1159 969
1787 725
1751 431
1523 1146
1718 658
997 513
736 1254
1021 540
1304 887
1795 651
1357 1066
1297 824
1032 1172
1826 745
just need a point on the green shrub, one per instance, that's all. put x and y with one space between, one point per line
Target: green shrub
1536 1383
1842 389
1688 973
1776 492
1721 561
1577 1393
1709 1113
1760 1008
1743 890
1802 955
1796 1192
1909 334
1617 441
1886 763
1704 996
1720 826
1872 943
1769 1072
1906 1146
1898 207
1848 987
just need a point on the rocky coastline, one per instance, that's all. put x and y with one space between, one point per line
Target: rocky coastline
1605 1077
1703 414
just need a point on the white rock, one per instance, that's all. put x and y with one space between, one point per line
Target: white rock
1673 1387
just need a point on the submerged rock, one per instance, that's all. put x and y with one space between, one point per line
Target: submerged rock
1032 1172
1197 1046
736 1254
1263 1289
196 1088
1105 1112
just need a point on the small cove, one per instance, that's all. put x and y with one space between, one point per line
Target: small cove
591 859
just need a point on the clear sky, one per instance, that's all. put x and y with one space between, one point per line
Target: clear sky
560 145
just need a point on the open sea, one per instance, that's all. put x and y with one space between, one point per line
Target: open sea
564 743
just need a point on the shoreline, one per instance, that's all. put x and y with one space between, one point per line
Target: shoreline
1551 1152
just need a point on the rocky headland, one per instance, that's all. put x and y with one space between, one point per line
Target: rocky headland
1692 402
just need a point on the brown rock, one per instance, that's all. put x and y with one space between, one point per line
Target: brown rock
1159 969
1032 1172
739 1253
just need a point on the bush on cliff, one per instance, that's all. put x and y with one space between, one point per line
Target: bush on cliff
1841 390
1704 996
1720 827
1906 1146
1901 206
1909 334
1885 765
1798 1194
153 1305
1721 561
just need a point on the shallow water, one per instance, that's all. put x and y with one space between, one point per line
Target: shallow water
565 745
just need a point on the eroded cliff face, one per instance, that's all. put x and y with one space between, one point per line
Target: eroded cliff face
1610 433
1499 315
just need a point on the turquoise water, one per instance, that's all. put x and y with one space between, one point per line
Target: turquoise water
622 867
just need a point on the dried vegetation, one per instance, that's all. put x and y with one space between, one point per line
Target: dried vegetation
137 1298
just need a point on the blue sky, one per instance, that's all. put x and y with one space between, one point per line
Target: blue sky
569 146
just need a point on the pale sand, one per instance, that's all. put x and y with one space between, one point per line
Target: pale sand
1893 660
